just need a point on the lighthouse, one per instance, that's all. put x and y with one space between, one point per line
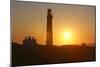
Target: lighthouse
49 35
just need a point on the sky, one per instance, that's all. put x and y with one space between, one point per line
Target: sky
72 24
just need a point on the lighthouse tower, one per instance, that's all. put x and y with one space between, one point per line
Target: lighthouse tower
49 35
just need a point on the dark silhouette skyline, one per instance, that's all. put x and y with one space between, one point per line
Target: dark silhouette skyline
31 53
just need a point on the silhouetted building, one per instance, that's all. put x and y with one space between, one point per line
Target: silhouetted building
49 36
83 44
29 41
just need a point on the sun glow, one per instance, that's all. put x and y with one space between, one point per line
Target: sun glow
67 36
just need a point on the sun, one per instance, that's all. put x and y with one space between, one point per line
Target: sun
67 36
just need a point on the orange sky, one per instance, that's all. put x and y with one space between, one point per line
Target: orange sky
29 18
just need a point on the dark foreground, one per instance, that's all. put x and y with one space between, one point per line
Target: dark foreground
38 55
